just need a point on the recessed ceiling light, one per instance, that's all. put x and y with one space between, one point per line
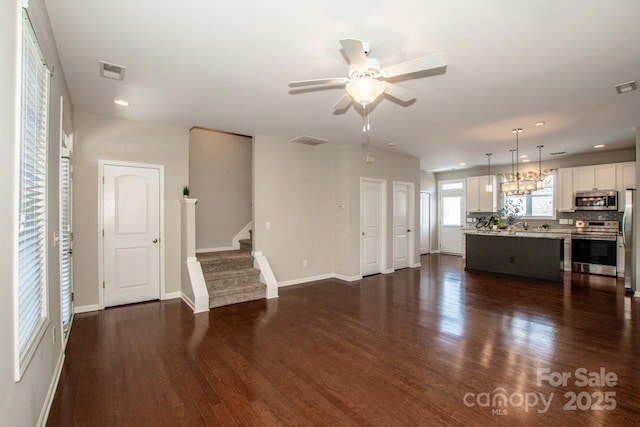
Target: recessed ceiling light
121 102
526 160
391 144
539 123
524 156
626 87
599 146
462 164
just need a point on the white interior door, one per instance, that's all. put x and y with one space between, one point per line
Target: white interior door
402 224
451 216
131 221
425 222
371 220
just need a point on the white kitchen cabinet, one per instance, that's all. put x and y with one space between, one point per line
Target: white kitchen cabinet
598 177
626 178
478 199
620 257
564 190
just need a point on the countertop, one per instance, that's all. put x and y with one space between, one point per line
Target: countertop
543 234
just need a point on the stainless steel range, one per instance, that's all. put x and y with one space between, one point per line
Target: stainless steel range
593 247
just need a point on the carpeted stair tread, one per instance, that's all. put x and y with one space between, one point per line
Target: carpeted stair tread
205 256
236 290
231 273
231 277
235 295
246 245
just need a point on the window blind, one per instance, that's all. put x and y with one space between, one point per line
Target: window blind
32 169
65 241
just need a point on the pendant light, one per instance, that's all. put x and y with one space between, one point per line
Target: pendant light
489 186
540 181
516 185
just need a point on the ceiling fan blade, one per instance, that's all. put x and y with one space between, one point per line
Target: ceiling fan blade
344 103
317 82
397 92
424 63
355 52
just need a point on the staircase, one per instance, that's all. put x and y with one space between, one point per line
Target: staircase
230 276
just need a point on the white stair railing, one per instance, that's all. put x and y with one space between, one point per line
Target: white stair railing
194 288
266 275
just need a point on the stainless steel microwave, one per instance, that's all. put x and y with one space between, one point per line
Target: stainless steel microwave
603 200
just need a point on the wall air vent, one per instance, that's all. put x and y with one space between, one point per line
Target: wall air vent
309 140
111 71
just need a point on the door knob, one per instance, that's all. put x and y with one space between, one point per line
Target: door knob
155 240
409 231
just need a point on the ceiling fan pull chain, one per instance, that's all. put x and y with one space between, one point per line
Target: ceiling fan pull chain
364 118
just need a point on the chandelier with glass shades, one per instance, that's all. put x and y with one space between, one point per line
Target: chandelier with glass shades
521 183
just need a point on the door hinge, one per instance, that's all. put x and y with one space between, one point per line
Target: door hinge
103 232
103 284
103 179
72 296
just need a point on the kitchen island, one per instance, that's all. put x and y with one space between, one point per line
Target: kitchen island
533 255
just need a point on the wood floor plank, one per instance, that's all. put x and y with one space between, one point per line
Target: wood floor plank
397 349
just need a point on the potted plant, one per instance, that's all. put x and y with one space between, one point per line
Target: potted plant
185 191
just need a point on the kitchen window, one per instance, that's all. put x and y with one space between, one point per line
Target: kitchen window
30 300
539 204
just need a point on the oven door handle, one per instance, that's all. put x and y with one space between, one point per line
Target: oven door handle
605 238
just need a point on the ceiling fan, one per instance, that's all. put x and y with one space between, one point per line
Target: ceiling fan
364 83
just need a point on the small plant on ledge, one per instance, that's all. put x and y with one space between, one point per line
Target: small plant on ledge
185 191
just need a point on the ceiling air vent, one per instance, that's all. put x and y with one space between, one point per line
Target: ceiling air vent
626 87
111 71
309 140
558 153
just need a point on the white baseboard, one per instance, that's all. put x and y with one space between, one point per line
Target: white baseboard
48 401
416 265
171 295
435 252
85 308
220 249
305 280
347 278
387 271
188 301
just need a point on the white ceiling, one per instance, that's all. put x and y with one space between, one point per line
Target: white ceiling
225 65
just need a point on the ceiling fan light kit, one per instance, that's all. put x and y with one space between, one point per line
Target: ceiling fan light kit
365 90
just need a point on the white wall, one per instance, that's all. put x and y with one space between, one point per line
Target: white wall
23 403
220 178
389 166
101 137
293 192
298 190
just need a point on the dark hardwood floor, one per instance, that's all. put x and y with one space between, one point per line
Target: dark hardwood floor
428 346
